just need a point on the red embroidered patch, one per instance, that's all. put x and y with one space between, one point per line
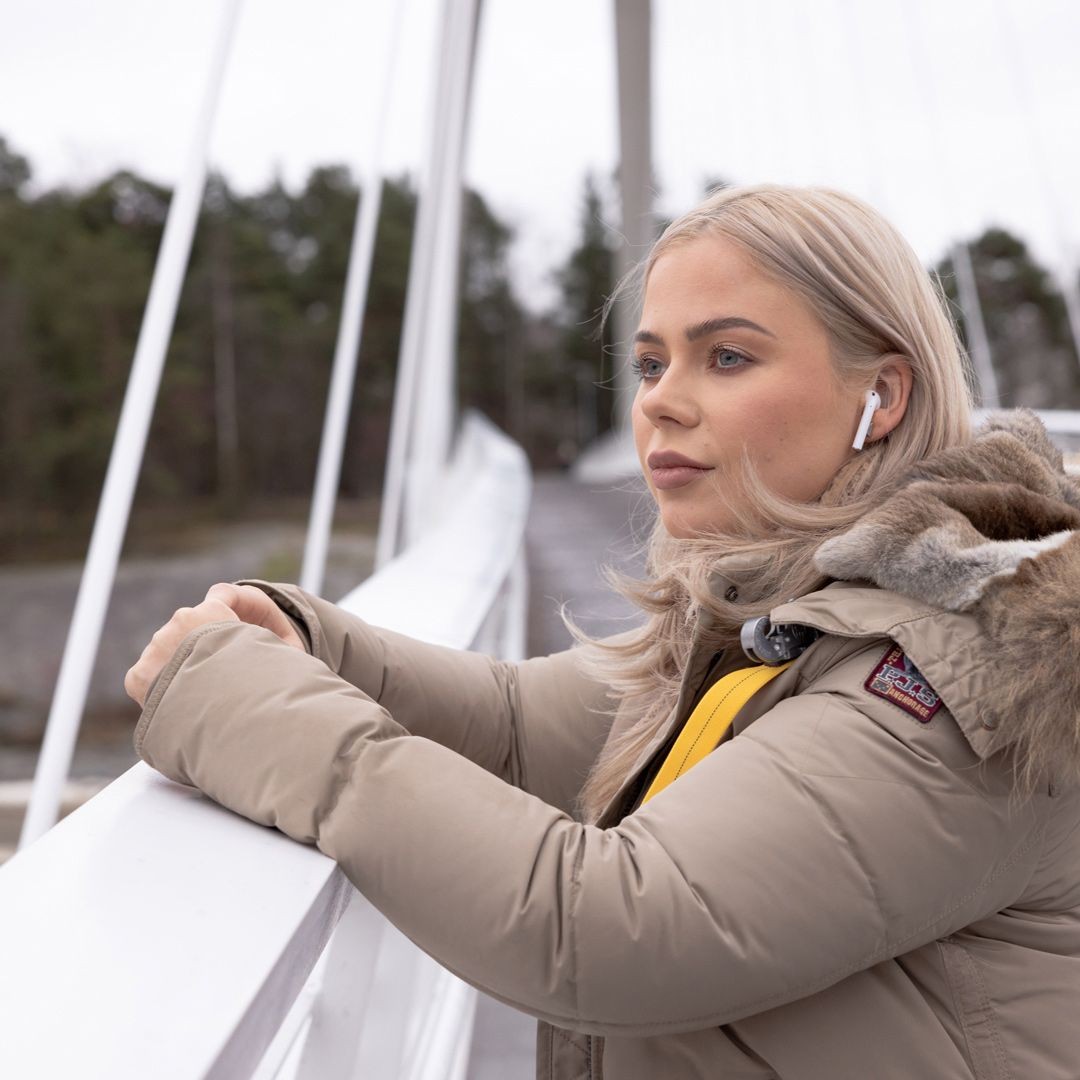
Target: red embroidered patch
898 680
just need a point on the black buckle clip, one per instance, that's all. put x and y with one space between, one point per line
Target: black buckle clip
772 645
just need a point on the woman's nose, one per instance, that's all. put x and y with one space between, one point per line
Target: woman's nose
670 399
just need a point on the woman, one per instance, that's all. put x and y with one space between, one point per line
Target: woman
876 873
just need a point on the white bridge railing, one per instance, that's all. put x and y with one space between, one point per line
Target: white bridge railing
153 933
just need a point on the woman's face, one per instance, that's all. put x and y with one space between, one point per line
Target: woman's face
730 359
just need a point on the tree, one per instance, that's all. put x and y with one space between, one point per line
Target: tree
14 170
491 372
1033 353
243 393
585 367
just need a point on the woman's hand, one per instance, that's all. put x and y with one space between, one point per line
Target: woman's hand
253 606
223 603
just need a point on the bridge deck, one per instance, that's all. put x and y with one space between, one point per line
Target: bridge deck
572 531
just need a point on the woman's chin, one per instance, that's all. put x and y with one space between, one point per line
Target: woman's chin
680 527
683 526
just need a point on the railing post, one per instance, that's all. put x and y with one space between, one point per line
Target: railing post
110 524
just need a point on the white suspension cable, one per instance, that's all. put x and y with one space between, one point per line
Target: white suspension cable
435 394
978 338
634 81
350 328
421 279
416 301
110 523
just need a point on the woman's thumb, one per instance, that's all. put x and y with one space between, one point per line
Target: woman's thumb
253 606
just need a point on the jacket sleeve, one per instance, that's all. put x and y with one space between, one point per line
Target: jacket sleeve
814 844
538 724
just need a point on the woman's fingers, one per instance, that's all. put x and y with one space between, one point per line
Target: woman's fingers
224 603
163 644
252 605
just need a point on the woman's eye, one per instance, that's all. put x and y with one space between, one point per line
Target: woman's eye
647 367
726 358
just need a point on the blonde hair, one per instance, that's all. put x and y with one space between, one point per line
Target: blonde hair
874 298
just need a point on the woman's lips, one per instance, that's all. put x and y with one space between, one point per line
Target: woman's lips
666 477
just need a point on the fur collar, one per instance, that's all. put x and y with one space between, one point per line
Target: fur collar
992 528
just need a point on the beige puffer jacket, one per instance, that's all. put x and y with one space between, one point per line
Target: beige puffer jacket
848 887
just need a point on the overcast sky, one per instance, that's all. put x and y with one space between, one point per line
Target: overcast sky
947 114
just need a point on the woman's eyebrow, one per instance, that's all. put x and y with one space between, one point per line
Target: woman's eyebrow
709 326
647 337
728 322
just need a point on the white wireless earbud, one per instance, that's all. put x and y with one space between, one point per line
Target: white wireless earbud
873 401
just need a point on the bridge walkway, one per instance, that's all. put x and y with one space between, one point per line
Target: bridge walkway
573 531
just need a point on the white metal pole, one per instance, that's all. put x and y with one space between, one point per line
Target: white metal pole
350 329
435 392
416 303
978 339
429 238
633 48
110 524
1069 282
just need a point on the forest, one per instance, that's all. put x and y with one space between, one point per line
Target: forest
240 410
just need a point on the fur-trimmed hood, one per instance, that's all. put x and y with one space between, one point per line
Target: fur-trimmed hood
992 529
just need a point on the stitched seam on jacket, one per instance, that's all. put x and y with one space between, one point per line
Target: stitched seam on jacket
915 618
821 982
872 632
576 1046
995 1034
575 892
958 1008
516 751
972 975
716 708
560 1034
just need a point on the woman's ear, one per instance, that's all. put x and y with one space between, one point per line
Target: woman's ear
893 385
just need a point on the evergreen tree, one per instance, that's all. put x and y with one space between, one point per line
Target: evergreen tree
243 394
14 170
1030 343
586 366
491 371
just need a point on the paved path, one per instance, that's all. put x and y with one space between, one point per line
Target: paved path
573 531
